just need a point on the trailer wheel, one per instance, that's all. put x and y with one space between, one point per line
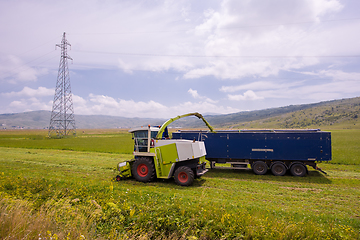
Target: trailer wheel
278 169
184 176
259 168
143 169
298 170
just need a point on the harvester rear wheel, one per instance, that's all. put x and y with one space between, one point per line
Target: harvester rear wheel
143 169
184 176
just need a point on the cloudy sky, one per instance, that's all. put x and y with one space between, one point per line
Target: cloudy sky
162 58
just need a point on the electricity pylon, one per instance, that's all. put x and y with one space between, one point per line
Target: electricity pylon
62 122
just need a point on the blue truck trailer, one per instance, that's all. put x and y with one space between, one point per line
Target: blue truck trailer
276 150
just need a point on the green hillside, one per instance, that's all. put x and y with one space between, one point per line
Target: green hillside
41 120
335 114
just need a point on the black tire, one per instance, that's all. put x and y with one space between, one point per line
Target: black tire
184 176
211 165
143 169
278 169
195 175
298 170
259 168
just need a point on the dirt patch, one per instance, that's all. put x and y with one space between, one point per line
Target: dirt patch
303 189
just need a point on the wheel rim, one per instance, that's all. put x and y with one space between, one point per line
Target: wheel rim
298 170
142 170
260 168
183 177
278 169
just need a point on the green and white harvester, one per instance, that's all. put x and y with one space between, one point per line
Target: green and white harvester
157 156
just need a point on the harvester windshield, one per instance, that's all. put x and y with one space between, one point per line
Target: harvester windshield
140 136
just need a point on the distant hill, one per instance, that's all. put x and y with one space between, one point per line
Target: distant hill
294 116
345 113
336 112
33 120
41 120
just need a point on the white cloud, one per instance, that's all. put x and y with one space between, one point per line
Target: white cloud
30 92
322 7
28 99
248 45
100 104
202 107
196 95
124 66
106 105
233 28
339 75
262 85
318 90
79 102
262 36
248 95
29 104
14 70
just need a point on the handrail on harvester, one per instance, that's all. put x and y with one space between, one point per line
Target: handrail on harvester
165 124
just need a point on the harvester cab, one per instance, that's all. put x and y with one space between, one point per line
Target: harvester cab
142 142
157 156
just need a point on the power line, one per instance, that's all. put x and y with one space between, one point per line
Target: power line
217 28
25 64
37 47
215 56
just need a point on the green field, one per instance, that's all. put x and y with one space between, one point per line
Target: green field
64 189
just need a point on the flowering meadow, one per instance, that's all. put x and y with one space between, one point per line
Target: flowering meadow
65 189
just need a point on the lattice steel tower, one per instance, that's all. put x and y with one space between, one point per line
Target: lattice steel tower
62 120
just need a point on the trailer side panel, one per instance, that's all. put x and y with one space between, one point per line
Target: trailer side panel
276 145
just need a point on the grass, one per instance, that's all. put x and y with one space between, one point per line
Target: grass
111 141
346 146
52 193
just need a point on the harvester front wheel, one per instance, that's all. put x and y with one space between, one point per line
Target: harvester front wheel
143 169
184 176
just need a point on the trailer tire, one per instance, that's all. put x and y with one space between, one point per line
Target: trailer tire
278 169
259 168
184 176
298 170
143 169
